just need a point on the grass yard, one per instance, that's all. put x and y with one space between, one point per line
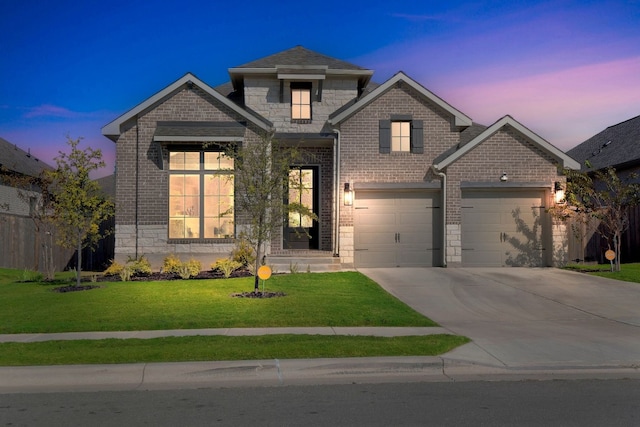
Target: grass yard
319 299
628 273
331 299
177 349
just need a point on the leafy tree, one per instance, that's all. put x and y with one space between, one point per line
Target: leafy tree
78 203
605 197
262 169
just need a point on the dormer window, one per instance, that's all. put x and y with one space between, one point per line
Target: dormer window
301 102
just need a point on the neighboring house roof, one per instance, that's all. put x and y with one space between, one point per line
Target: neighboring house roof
461 119
113 129
463 148
14 159
617 145
108 185
297 63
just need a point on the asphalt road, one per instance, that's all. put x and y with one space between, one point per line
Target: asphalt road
523 403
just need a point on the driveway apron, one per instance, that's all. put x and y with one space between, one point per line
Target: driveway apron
522 317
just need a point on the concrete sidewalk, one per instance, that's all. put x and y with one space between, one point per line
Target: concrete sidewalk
232 332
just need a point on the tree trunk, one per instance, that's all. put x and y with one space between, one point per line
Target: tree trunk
256 285
79 269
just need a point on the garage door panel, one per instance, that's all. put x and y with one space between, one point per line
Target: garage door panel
395 229
501 228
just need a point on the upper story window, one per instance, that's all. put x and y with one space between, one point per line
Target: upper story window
401 134
300 101
200 195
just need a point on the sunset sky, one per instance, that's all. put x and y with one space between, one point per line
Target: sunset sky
565 69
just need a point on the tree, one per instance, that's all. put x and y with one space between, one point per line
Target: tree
78 204
262 171
605 197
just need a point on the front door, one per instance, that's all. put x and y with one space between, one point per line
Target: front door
301 231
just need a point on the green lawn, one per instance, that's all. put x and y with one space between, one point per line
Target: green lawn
627 273
199 348
319 299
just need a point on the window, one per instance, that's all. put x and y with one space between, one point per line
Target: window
401 134
300 101
200 195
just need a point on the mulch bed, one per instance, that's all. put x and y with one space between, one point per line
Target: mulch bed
73 288
259 295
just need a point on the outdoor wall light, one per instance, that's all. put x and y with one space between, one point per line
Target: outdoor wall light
504 177
348 195
558 192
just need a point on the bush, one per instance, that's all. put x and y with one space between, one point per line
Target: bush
171 264
194 266
31 276
243 253
114 269
140 266
226 266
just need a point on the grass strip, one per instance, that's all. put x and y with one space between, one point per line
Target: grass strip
212 348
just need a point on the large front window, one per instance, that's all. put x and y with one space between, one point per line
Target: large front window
200 195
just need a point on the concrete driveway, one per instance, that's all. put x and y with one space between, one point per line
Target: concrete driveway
521 317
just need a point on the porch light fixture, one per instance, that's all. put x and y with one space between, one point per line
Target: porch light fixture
504 177
558 193
348 195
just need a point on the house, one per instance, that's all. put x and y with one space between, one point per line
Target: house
617 146
396 175
23 239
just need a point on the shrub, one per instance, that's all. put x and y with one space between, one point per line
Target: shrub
243 253
194 266
226 266
140 266
125 273
31 276
171 264
114 269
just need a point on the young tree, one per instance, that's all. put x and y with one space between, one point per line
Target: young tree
78 204
262 171
605 197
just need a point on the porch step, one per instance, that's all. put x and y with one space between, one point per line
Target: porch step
303 261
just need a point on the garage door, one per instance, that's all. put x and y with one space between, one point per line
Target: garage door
397 229
503 228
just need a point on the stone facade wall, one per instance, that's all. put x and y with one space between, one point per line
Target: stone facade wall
263 96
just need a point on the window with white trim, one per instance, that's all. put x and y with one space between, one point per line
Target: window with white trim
200 195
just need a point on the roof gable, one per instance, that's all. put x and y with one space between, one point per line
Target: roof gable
615 146
460 150
113 129
299 56
460 118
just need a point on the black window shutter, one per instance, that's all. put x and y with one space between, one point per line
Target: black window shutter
385 136
417 137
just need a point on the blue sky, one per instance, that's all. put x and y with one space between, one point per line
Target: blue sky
565 69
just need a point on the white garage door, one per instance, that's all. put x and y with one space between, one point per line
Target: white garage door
503 228
397 229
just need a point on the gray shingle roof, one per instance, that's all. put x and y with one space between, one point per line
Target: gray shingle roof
17 160
300 56
617 145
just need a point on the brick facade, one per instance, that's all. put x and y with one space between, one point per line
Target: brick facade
341 117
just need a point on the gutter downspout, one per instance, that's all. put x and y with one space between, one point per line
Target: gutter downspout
336 193
444 214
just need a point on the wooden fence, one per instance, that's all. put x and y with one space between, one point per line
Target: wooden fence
23 247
